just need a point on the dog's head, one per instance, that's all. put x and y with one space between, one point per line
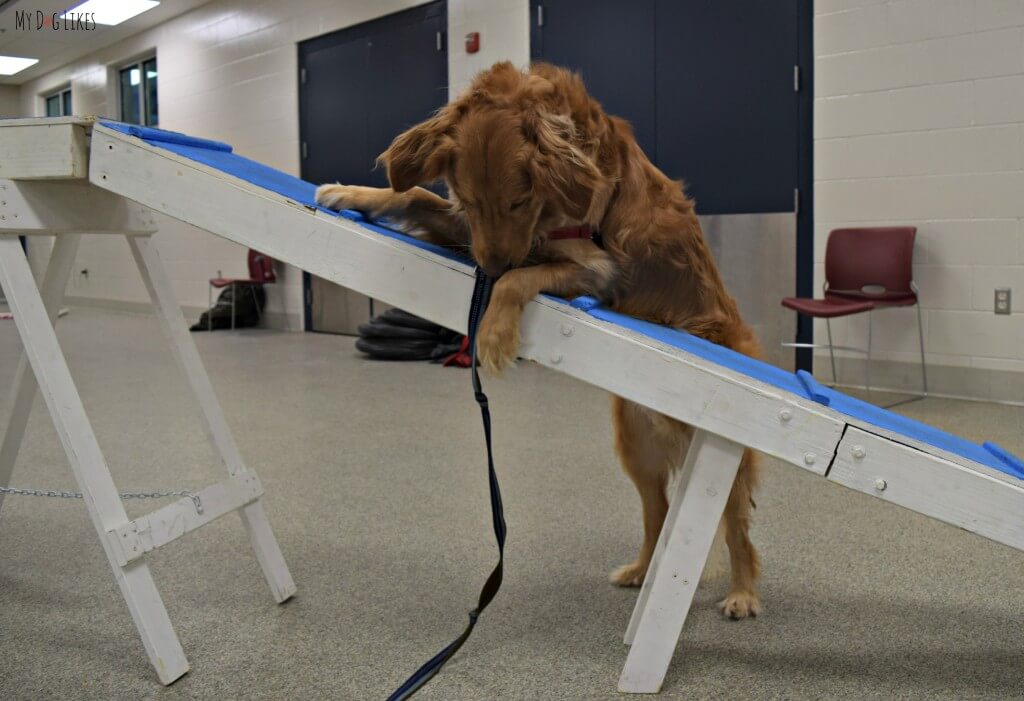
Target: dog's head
511 159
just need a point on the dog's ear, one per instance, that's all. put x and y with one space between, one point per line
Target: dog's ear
560 171
423 153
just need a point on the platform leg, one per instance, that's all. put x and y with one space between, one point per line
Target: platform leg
675 499
703 489
23 389
253 516
87 461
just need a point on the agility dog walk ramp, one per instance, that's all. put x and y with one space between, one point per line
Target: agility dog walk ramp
87 176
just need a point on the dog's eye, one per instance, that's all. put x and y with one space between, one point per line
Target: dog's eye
517 204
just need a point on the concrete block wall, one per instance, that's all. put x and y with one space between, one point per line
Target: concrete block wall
919 119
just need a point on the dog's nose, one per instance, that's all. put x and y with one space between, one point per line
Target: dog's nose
495 270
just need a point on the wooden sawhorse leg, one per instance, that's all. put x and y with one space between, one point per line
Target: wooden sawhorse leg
87 461
253 516
23 390
683 546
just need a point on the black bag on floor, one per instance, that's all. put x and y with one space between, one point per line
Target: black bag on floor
399 335
248 308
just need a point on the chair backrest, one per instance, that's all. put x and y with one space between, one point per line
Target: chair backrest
871 262
261 267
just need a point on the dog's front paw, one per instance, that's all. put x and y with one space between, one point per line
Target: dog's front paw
497 340
740 604
631 575
338 197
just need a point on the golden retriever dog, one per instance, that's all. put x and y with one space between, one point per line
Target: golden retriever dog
528 153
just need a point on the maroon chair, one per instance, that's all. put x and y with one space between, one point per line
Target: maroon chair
865 269
261 272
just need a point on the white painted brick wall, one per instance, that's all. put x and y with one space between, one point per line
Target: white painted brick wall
919 119
228 71
10 101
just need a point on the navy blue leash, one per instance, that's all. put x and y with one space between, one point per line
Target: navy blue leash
481 296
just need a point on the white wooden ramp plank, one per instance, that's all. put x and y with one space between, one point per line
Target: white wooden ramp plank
87 461
929 485
23 390
636 367
711 466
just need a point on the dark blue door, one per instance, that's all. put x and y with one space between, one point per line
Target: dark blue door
358 89
726 109
362 86
707 85
611 44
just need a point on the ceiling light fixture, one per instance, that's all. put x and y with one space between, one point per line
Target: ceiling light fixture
9 65
110 12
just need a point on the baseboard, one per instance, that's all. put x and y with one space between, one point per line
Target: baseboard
953 382
276 321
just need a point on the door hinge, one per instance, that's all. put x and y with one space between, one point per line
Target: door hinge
302 76
796 200
440 42
540 15
796 78
305 150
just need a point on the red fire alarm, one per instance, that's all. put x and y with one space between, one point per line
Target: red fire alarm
472 42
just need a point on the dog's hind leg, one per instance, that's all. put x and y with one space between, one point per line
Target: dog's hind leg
418 208
649 446
743 599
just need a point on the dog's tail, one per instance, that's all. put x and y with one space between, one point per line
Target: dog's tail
717 564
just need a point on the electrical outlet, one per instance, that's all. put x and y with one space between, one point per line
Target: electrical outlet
1002 300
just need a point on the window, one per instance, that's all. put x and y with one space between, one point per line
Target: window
59 103
138 93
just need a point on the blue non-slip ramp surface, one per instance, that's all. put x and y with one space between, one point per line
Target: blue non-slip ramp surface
220 156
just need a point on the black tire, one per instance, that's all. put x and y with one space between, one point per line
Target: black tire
379 329
397 349
399 317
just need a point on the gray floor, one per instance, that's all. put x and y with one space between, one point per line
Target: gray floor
376 489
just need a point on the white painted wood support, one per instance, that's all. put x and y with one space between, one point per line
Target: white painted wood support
50 207
701 492
675 500
168 523
87 461
23 390
39 150
173 323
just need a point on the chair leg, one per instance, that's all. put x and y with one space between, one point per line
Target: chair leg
832 353
256 301
233 306
867 368
920 335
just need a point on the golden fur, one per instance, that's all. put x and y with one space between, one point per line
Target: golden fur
524 153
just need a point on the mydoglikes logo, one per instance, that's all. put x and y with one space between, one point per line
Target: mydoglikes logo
37 20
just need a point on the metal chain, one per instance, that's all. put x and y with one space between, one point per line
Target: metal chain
124 495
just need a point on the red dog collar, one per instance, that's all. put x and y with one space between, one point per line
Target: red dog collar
576 232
